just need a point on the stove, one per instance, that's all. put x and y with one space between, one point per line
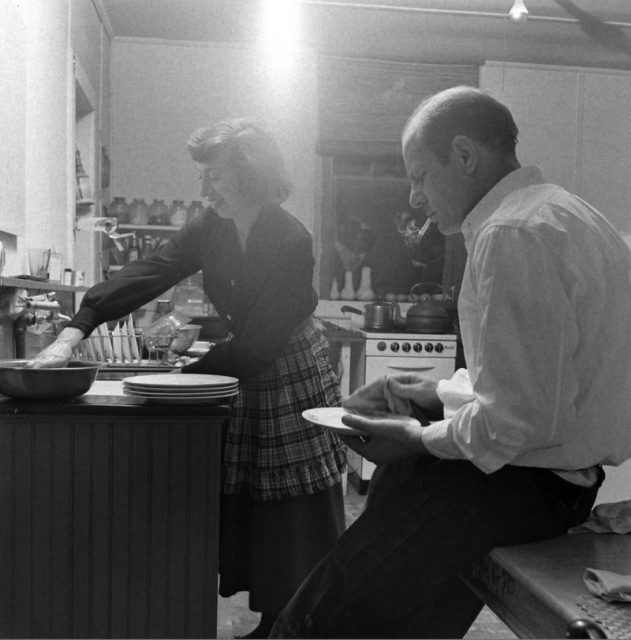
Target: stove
429 354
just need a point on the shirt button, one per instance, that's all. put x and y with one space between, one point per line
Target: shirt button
232 283
228 316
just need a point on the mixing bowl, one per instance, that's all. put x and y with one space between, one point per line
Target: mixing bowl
58 383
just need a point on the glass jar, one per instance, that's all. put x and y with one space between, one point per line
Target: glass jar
138 211
119 209
158 213
189 297
195 209
178 213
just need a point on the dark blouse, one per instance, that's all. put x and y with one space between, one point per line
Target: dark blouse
261 296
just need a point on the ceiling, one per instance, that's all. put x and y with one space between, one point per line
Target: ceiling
565 32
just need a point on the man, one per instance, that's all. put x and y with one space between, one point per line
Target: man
544 313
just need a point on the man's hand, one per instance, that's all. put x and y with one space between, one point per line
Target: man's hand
395 394
416 388
385 439
58 353
370 397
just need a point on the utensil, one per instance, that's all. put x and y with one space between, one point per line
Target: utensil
378 316
58 383
427 315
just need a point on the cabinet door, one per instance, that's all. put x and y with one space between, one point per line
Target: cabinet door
544 102
606 146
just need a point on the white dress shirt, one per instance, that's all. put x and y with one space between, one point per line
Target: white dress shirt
545 317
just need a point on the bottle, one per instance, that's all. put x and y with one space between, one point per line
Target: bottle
105 168
334 293
83 184
119 209
364 291
348 292
138 211
195 209
189 297
178 213
133 253
147 246
158 213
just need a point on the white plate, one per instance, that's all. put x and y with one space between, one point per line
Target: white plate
176 391
193 352
331 418
171 394
197 388
165 400
179 399
192 380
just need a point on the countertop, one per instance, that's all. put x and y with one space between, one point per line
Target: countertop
106 397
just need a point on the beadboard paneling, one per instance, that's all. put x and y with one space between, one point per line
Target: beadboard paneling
108 528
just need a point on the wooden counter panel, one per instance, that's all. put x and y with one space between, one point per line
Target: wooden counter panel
109 525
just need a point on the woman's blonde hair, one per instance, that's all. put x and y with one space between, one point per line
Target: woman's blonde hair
254 153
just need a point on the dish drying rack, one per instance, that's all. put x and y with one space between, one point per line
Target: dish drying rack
124 344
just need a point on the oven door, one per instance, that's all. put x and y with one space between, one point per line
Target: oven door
433 368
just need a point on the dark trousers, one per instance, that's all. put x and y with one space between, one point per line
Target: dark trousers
394 572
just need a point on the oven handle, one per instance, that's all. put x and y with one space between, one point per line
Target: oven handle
399 368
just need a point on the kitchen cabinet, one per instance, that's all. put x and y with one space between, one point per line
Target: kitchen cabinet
109 517
575 124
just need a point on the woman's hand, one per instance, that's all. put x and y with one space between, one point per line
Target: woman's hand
58 353
385 439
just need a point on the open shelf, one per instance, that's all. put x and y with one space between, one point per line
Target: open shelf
24 283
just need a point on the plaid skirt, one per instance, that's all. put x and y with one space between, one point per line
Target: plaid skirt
270 451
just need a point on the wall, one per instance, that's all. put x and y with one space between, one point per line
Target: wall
163 90
40 163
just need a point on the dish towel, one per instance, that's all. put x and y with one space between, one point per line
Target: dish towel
609 517
610 586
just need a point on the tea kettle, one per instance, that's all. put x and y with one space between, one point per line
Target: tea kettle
427 315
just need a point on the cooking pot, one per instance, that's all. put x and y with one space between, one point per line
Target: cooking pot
378 315
427 315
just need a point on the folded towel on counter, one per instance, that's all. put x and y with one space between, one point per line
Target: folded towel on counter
609 517
610 586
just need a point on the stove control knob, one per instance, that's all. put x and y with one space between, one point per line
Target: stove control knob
439 348
394 346
418 347
381 346
406 346
429 347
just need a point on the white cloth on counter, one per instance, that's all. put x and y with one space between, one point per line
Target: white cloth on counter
608 585
608 517
543 312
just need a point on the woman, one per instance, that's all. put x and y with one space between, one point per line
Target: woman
282 504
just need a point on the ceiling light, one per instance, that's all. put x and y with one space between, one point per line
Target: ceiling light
518 12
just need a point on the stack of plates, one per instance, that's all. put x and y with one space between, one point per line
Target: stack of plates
182 388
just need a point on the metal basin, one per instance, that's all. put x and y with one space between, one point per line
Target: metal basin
59 383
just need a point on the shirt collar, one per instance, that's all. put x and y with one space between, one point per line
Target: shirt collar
484 209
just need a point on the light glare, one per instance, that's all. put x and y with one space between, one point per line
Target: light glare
281 32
